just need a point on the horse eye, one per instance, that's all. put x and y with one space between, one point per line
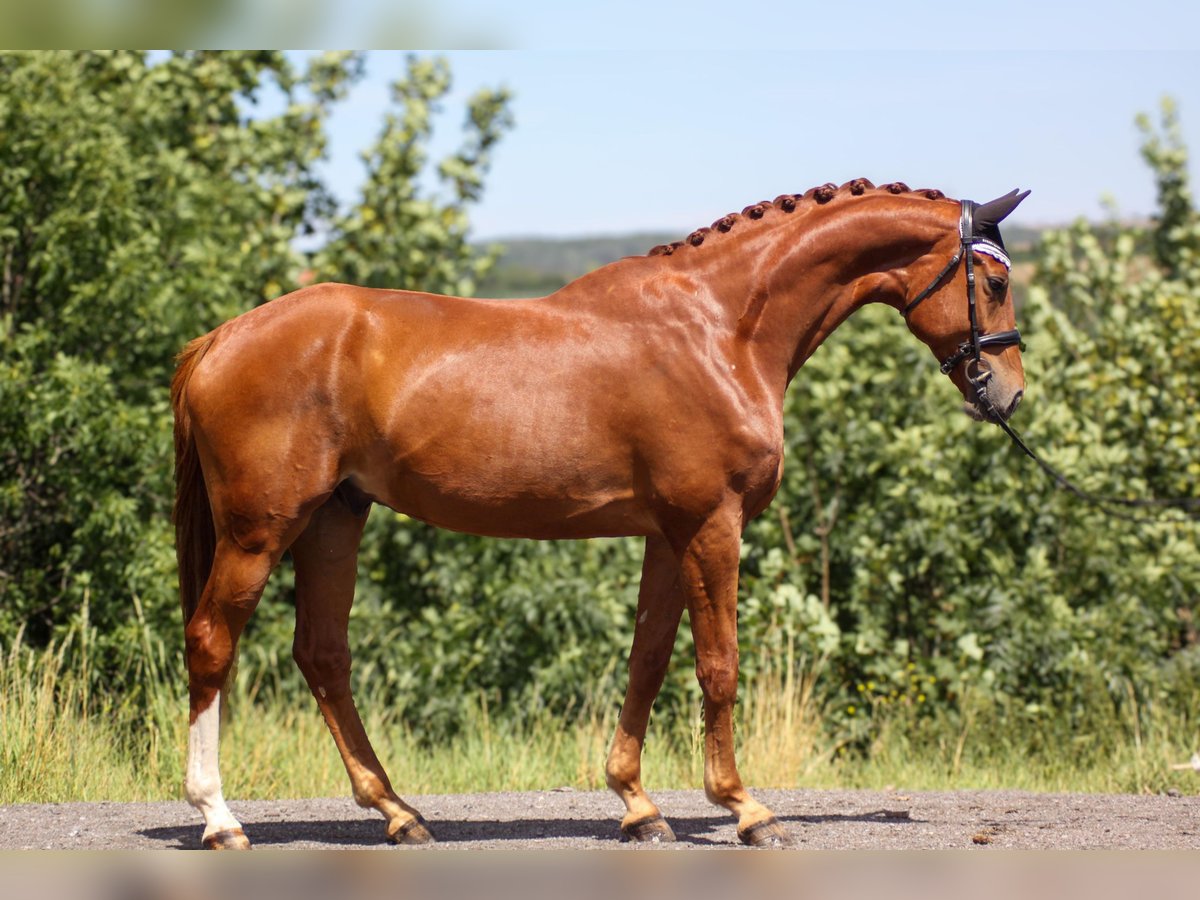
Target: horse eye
998 285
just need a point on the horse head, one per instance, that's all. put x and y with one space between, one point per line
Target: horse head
969 322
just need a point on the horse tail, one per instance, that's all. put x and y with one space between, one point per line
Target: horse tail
195 537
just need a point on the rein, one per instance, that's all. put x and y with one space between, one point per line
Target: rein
1189 506
979 373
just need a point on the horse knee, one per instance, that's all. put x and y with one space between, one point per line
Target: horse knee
718 680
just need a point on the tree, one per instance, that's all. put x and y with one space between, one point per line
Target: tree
396 236
143 202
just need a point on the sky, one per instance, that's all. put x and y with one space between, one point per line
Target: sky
670 134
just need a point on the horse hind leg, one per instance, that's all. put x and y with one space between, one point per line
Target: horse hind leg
660 605
325 556
234 587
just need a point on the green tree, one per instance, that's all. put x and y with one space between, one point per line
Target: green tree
143 202
1176 232
398 236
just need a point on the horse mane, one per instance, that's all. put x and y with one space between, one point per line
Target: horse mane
789 203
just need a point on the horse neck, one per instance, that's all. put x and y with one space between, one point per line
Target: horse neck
786 285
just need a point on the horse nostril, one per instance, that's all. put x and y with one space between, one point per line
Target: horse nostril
1016 401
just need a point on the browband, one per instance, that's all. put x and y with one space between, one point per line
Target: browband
995 251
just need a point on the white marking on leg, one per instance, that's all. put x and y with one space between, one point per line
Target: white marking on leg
203 783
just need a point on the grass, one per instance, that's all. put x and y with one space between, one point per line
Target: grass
61 740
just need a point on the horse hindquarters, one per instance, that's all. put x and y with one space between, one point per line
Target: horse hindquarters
229 538
207 573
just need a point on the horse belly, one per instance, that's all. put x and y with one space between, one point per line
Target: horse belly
491 501
527 516
521 476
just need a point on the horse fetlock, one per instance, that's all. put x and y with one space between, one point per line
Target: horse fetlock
622 773
726 790
200 789
617 782
369 793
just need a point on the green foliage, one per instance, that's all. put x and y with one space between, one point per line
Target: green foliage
82 496
1177 233
396 236
140 206
917 560
534 267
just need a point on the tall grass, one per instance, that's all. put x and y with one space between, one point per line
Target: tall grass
58 739
63 738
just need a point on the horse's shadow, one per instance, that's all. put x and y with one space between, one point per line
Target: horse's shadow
698 830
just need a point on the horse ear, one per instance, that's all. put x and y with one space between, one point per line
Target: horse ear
993 212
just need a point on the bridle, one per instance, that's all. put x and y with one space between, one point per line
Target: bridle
978 371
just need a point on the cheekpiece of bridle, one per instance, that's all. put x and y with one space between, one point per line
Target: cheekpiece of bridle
978 371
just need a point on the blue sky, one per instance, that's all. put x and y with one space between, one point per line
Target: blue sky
611 141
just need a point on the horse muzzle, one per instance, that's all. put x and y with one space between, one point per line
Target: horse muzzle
984 408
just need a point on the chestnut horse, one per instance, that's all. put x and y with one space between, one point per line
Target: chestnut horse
645 398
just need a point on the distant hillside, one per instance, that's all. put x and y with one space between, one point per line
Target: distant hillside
531 267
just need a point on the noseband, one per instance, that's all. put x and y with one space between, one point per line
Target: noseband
978 371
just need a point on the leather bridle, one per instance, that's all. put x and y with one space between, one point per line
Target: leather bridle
978 371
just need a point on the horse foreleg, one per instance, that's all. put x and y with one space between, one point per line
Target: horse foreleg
325 557
233 590
660 604
709 574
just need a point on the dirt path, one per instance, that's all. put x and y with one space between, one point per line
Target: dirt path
824 820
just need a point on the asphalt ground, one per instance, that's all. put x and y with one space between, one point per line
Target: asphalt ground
977 821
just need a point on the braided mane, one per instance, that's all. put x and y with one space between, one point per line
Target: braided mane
788 203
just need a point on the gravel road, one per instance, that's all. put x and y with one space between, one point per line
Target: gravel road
565 818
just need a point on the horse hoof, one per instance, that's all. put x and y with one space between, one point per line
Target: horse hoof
413 832
650 830
767 833
229 839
